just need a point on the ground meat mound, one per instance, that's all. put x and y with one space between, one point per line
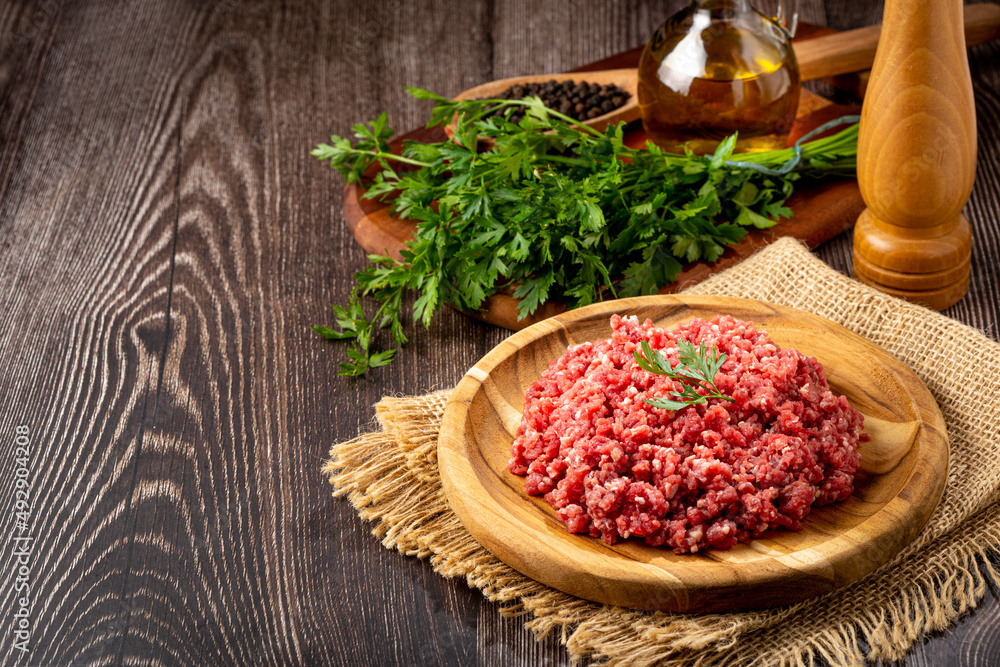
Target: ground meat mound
708 475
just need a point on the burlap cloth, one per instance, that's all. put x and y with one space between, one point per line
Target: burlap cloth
391 478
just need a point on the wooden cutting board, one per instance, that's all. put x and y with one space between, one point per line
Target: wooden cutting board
820 212
903 472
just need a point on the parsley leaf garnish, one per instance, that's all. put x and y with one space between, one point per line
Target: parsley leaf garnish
696 370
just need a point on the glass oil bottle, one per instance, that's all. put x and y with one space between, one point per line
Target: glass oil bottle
715 68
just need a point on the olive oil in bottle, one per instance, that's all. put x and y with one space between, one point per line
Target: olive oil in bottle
716 68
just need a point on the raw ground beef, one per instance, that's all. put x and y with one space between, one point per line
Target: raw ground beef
707 475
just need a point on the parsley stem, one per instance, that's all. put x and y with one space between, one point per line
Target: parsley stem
534 102
564 159
392 156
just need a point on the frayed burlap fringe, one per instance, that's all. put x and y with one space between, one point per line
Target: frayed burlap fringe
391 478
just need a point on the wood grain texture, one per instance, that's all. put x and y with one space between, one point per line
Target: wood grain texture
854 51
165 240
902 474
917 156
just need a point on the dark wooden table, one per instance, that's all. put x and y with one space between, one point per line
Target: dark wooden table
165 241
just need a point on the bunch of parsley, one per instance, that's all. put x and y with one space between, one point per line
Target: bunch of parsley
552 210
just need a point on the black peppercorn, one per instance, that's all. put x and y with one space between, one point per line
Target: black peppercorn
579 100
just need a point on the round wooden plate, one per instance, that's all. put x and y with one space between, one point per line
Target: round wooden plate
902 476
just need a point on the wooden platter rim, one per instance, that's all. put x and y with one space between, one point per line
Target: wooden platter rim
708 583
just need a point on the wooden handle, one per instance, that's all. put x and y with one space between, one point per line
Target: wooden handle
917 156
854 50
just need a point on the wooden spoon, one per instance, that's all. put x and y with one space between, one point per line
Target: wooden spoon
818 57
626 79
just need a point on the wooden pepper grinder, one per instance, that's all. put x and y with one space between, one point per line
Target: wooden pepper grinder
917 156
